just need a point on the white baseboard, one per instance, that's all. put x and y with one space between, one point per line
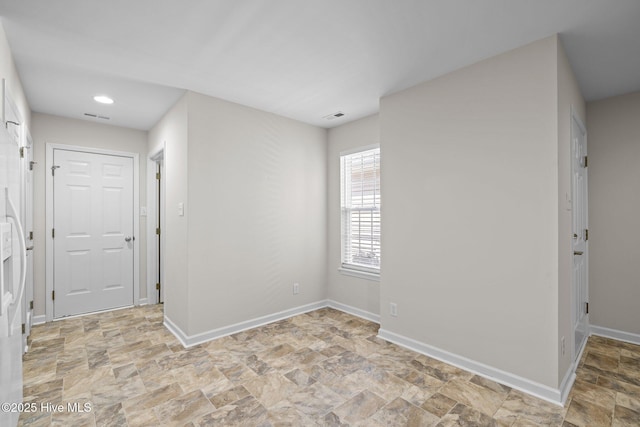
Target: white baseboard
533 388
191 340
372 317
615 334
175 330
570 375
567 382
143 301
39 320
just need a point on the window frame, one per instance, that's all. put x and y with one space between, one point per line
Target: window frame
350 269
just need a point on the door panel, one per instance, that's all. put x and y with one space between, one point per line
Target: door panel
93 214
580 228
26 180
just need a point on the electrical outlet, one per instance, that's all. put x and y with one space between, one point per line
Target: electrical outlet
393 309
296 288
562 346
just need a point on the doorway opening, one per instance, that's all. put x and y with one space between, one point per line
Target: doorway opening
156 197
159 219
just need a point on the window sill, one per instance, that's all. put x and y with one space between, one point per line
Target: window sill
374 277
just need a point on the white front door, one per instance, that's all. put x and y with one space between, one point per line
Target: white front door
93 232
580 229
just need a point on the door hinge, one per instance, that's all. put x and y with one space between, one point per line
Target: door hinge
586 307
22 156
158 231
31 235
158 286
31 305
158 175
586 234
53 170
24 329
53 295
586 161
31 164
53 233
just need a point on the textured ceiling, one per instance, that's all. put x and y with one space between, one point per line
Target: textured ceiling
299 59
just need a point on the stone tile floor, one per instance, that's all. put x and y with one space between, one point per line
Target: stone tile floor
320 368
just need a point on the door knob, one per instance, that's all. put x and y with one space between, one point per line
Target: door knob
127 239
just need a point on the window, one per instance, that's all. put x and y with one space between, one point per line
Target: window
360 206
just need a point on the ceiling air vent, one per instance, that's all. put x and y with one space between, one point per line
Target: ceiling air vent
95 116
334 115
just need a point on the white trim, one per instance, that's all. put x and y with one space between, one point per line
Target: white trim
354 311
143 301
152 215
49 218
374 277
359 149
39 320
48 250
567 383
615 334
191 340
152 247
176 331
514 381
576 361
570 376
136 227
91 313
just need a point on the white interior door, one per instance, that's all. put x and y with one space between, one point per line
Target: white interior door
26 180
93 215
580 227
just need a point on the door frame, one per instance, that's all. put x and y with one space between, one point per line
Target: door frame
27 198
576 354
152 214
50 147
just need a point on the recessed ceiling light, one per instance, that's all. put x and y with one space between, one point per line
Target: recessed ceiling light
103 99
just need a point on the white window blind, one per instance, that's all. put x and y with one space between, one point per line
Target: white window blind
360 195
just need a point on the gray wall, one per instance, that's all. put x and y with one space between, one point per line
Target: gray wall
356 292
613 127
254 187
60 130
470 231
